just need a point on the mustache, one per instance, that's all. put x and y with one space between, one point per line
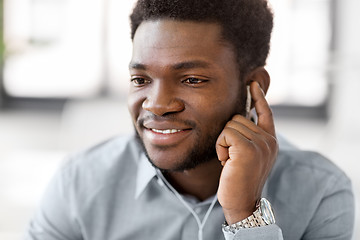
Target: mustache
166 118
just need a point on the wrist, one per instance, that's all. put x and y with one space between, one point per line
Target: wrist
262 216
235 215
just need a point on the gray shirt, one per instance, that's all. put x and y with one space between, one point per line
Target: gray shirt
111 192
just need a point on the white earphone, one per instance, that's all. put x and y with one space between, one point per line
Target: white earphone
248 102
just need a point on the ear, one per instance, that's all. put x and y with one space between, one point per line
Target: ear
261 76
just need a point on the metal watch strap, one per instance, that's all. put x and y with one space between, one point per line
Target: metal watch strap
254 220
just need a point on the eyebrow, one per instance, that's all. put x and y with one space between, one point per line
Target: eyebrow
177 66
191 64
138 66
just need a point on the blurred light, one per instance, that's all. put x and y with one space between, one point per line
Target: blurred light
26 164
75 48
53 48
300 52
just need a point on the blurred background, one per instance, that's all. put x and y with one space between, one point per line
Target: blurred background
64 80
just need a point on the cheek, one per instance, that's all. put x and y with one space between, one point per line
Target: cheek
134 104
215 110
225 102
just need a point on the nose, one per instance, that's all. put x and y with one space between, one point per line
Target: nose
162 100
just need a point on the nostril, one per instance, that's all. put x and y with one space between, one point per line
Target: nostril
162 107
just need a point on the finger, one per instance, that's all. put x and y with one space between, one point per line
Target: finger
263 110
241 124
246 123
230 137
258 136
249 129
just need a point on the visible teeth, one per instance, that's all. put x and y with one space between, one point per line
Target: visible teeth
167 131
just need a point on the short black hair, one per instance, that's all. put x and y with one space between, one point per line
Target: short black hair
246 24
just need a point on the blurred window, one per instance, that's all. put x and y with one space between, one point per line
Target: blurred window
300 51
80 48
53 48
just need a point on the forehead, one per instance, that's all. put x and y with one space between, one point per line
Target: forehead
167 40
174 30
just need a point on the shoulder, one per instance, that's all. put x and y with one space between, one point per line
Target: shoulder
305 164
305 176
307 187
301 180
101 164
106 152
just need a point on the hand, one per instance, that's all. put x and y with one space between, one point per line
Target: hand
247 152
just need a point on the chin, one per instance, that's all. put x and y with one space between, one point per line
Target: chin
166 161
180 157
179 162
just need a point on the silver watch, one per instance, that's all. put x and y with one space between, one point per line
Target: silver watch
262 216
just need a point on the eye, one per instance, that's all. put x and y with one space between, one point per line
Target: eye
193 81
138 82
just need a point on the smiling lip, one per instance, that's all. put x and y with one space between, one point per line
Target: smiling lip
165 134
166 131
165 137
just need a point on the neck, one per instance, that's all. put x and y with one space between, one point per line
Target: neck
201 182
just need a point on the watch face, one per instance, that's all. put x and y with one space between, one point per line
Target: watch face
266 211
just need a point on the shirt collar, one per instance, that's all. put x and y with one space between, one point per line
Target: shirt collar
145 173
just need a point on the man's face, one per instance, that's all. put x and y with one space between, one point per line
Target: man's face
185 87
